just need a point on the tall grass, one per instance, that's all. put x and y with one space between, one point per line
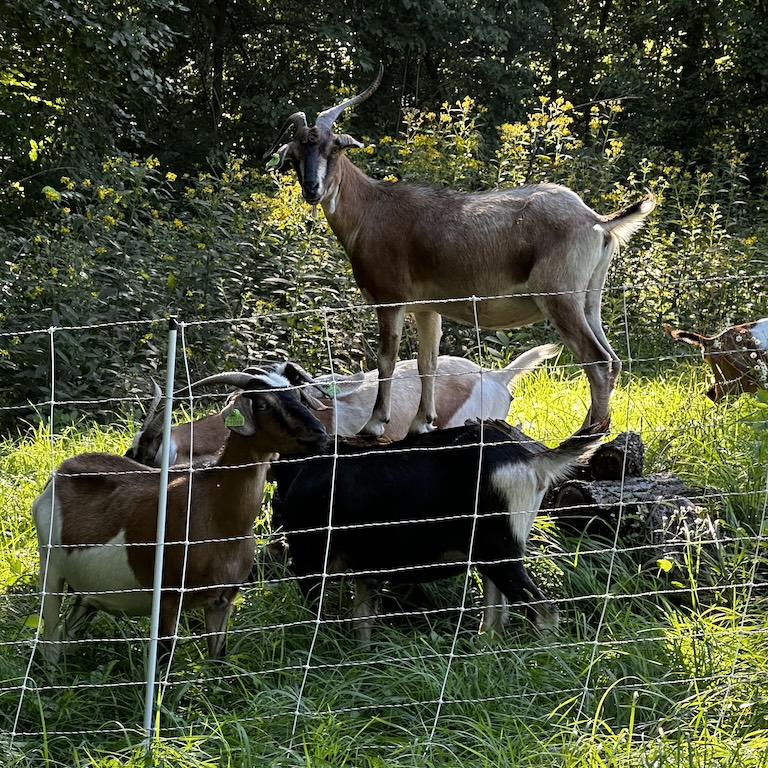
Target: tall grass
632 677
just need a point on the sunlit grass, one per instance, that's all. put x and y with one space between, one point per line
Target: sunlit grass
630 679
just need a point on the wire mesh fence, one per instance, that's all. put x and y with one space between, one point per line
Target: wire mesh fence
657 575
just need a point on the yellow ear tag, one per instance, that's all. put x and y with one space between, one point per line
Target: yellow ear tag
234 419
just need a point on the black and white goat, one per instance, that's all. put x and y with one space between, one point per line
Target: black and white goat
528 253
423 508
96 520
463 390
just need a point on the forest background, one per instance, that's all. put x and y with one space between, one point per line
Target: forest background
132 182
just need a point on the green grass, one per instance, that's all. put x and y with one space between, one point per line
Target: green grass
631 678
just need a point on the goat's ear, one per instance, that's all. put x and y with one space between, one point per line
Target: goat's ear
238 416
345 141
311 401
296 374
277 161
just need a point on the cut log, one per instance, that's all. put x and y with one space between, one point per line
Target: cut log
621 457
599 505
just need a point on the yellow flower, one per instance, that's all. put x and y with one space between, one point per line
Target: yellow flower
171 176
87 182
178 223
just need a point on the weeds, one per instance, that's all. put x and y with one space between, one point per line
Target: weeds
630 679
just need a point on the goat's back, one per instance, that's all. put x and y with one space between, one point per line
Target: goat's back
410 503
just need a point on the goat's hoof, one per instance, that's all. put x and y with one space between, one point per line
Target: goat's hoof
547 618
374 428
421 428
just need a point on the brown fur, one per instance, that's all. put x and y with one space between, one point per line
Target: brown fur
527 253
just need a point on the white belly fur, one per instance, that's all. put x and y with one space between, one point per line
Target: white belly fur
107 565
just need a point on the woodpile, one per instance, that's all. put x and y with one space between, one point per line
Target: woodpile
659 517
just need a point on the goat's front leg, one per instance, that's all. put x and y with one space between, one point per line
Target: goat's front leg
429 329
390 329
168 626
216 618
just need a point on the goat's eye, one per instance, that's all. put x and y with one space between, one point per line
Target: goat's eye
260 405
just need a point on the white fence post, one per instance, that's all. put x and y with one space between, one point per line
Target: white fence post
149 697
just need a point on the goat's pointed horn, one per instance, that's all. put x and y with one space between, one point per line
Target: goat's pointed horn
157 396
296 120
237 379
328 117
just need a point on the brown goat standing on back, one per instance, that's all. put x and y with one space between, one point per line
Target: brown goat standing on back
538 252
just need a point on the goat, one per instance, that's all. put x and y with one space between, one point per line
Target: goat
424 508
738 357
522 254
96 520
463 390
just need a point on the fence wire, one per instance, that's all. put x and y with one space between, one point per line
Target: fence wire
31 689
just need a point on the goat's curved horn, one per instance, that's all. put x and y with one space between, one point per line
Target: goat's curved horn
157 396
238 379
328 117
296 120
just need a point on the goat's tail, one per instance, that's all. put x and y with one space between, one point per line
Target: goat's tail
556 464
624 223
527 362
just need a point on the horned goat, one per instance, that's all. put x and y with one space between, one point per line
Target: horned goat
424 508
96 520
529 253
463 390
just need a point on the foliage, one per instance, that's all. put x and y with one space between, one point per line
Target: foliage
73 79
252 274
196 82
632 678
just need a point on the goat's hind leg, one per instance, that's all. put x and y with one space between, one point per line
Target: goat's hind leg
52 591
517 586
568 314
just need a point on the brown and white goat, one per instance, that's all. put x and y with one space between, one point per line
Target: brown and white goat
738 357
96 520
521 255
463 390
